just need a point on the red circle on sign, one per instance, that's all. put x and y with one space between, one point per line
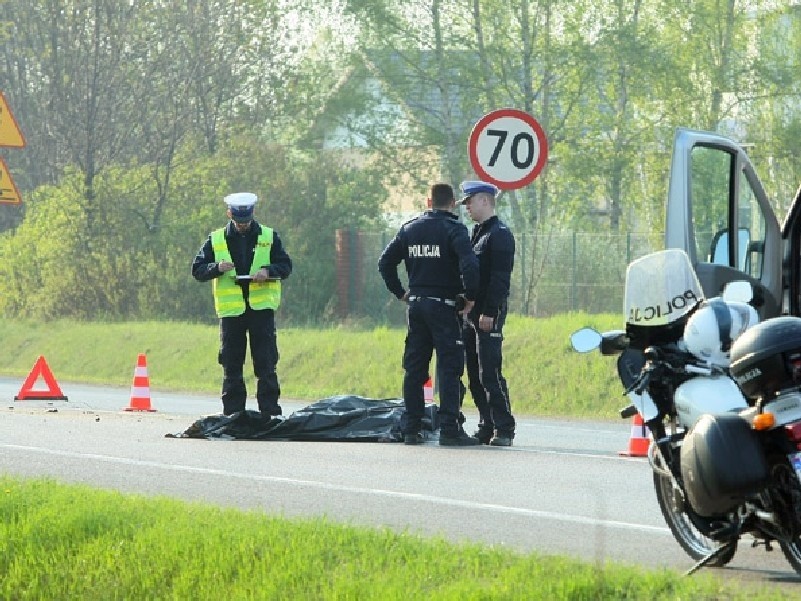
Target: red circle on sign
527 175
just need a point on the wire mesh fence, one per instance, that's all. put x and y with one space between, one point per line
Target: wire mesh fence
555 272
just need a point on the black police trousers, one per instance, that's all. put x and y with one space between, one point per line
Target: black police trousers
484 359
432 326
259 327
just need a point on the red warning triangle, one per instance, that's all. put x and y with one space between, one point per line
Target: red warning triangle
40 369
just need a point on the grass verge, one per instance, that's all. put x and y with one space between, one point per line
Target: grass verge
72 542
545 376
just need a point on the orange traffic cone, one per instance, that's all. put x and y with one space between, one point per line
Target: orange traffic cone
428 391
140 389
640 439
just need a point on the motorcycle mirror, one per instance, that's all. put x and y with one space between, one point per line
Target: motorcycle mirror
585 340
739 291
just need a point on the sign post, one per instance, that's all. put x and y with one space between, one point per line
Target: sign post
508 148
10 136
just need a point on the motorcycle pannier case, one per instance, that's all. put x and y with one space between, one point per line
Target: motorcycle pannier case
767 358
721 463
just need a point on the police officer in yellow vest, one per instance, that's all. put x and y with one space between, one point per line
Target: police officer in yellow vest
245 262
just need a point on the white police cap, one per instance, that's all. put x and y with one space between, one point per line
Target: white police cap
241 206
473 187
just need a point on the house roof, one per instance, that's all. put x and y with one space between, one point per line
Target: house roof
401 92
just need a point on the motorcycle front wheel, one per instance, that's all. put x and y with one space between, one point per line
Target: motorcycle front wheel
694 543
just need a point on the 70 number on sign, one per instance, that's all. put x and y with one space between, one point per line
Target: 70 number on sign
502 134
508 148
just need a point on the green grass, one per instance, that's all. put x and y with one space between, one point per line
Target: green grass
545 376
72 542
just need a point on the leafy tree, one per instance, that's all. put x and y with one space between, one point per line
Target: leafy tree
133 269
773 133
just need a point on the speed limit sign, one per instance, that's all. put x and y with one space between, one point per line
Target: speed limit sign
508 148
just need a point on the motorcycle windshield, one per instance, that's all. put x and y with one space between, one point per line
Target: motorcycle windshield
661 288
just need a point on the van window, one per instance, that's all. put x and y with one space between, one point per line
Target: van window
711 170
752 219
712 190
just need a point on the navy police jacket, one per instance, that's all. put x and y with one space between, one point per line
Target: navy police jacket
494 246
435 248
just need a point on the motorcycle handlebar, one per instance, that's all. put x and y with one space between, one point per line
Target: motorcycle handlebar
651 353
657 363
698 369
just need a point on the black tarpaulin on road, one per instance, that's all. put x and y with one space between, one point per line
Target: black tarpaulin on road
337 418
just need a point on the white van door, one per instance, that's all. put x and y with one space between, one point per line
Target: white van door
791 233
718 213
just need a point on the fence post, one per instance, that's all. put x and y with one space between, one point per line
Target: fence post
523 284
350 271
628 248
341 252
354 260
574 304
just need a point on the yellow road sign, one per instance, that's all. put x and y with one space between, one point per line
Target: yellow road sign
10 133
9 195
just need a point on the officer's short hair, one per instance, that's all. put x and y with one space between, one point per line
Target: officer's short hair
441 195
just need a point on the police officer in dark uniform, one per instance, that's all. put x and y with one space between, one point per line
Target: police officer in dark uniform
494 246
439 260
246 262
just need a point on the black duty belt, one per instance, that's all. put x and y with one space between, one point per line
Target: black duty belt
447 301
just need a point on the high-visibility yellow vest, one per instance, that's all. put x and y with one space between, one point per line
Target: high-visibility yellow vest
229 300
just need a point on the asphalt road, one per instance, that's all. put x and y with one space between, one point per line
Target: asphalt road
561 489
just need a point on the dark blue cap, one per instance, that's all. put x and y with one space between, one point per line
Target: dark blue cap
471 188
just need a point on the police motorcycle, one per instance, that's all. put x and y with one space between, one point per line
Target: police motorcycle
721 395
